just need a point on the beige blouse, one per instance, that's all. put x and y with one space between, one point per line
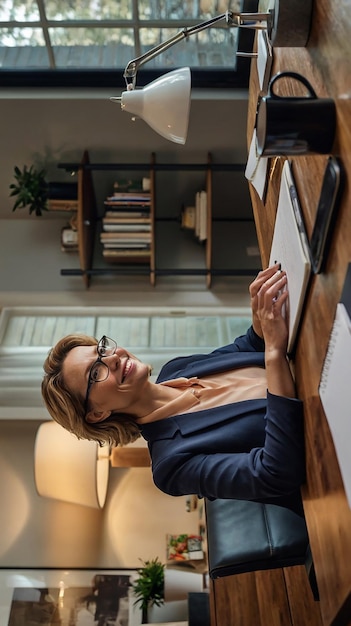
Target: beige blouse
209 392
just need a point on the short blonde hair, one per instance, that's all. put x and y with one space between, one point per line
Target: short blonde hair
68 409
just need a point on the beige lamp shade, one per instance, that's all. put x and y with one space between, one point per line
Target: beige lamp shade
70 469
164 104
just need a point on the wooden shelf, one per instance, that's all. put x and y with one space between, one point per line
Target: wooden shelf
87 219
63 205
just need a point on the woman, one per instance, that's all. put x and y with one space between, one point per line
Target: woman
222 425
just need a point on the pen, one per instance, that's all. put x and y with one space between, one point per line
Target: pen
298 218
273 166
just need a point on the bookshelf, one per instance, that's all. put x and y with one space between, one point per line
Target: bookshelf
173 249
127 235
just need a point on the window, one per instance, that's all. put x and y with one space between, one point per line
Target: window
89 42
155 335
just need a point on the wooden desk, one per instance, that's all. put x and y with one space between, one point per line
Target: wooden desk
326 63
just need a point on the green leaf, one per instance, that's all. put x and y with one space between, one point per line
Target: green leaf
31 189
149 587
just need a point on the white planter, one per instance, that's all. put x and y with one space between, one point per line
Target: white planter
169 612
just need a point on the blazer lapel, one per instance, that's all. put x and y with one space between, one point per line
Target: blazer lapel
189 423
205 364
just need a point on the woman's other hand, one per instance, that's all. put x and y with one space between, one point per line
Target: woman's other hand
269 295
271 311
254 288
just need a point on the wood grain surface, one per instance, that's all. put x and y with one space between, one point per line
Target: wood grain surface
326 63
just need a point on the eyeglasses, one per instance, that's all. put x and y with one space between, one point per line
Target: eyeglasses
99 370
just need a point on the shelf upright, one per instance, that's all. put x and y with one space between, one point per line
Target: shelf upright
209 222
152 220
86 218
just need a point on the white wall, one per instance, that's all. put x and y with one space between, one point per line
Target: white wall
39 532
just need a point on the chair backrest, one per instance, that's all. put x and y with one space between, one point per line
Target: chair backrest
247 536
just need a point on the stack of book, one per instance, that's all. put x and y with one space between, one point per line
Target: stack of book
195 217
126 227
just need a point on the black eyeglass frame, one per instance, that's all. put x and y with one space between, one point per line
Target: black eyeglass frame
102 351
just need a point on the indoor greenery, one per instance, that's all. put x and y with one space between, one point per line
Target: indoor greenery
31 189
149 586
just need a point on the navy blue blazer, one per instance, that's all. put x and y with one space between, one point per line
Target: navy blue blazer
251 450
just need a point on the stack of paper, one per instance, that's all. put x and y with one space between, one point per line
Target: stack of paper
335 389
256 168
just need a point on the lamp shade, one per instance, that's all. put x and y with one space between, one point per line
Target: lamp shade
164 104
69 469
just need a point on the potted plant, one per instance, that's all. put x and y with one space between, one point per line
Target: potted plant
149 586
33 190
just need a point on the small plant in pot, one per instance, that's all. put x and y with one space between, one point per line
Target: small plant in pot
33 190
149 586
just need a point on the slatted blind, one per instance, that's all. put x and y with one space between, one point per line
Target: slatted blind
154 336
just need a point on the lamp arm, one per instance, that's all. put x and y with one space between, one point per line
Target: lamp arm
133 65
245 20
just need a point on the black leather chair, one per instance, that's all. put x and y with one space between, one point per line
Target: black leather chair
249 536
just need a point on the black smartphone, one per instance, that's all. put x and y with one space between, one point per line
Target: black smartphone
326 214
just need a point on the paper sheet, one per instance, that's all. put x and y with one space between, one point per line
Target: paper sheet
256 168
335 392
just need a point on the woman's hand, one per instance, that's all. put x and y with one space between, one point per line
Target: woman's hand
269 296
254 289
271 311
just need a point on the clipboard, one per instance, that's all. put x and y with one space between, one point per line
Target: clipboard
290 247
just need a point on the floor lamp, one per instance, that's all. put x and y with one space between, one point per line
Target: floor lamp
77 470
70 469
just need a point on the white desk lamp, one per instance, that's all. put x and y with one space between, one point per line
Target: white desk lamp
164 104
